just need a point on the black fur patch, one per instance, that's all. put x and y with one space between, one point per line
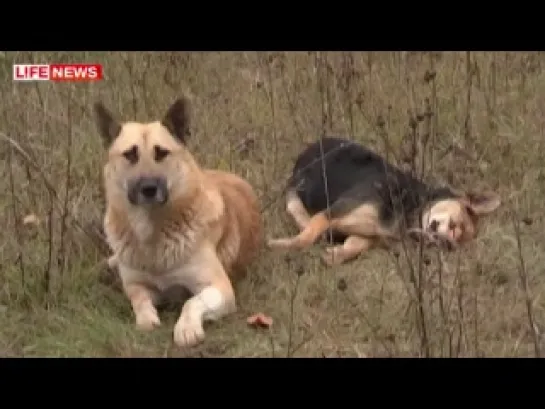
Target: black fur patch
355 176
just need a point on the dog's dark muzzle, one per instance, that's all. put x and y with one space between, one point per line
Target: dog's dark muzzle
148 190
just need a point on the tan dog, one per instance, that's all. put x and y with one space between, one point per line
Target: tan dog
169 222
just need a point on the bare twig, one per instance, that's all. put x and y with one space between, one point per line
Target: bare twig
50 242
68 184
292 315
469 83
375 329
51 189
349 72
15 211
523 275
272 102
289 98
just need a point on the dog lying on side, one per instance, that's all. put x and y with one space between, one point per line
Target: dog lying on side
371 201
171 223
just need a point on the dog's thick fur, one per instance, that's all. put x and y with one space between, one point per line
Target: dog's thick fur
369 201
171 223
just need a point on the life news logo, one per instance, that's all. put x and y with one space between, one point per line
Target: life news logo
57 72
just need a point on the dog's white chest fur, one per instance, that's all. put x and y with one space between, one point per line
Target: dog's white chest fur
142 226
155 252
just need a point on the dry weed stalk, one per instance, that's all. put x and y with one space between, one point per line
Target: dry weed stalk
269 68
523 276
290 96
62 259
469 84
431 78
16 218
270 60
299 273
25 155
347 85
323 87
129 67
50 241
375 328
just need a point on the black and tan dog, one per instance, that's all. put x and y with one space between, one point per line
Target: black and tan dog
369 201
171 223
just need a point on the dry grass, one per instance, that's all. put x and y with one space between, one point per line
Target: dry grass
476 118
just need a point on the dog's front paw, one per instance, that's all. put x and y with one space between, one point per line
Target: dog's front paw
112 262
280 243
188 332
147 319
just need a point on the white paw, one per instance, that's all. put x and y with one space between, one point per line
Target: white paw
280 243
332 256
112 262
188 332
147 319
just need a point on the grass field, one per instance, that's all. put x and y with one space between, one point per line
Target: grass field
471 119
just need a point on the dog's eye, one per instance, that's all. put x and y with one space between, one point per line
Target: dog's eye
160 153
131 154
451 225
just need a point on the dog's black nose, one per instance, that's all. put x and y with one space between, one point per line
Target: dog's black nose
149 189
434 225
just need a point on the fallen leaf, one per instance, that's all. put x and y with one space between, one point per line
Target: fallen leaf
259 320
31 220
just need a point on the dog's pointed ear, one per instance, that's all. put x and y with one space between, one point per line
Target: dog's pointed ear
482 202
108 127
178 119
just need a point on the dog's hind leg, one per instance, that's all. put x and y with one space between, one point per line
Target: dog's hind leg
351 248
345 217
316 226
296 209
